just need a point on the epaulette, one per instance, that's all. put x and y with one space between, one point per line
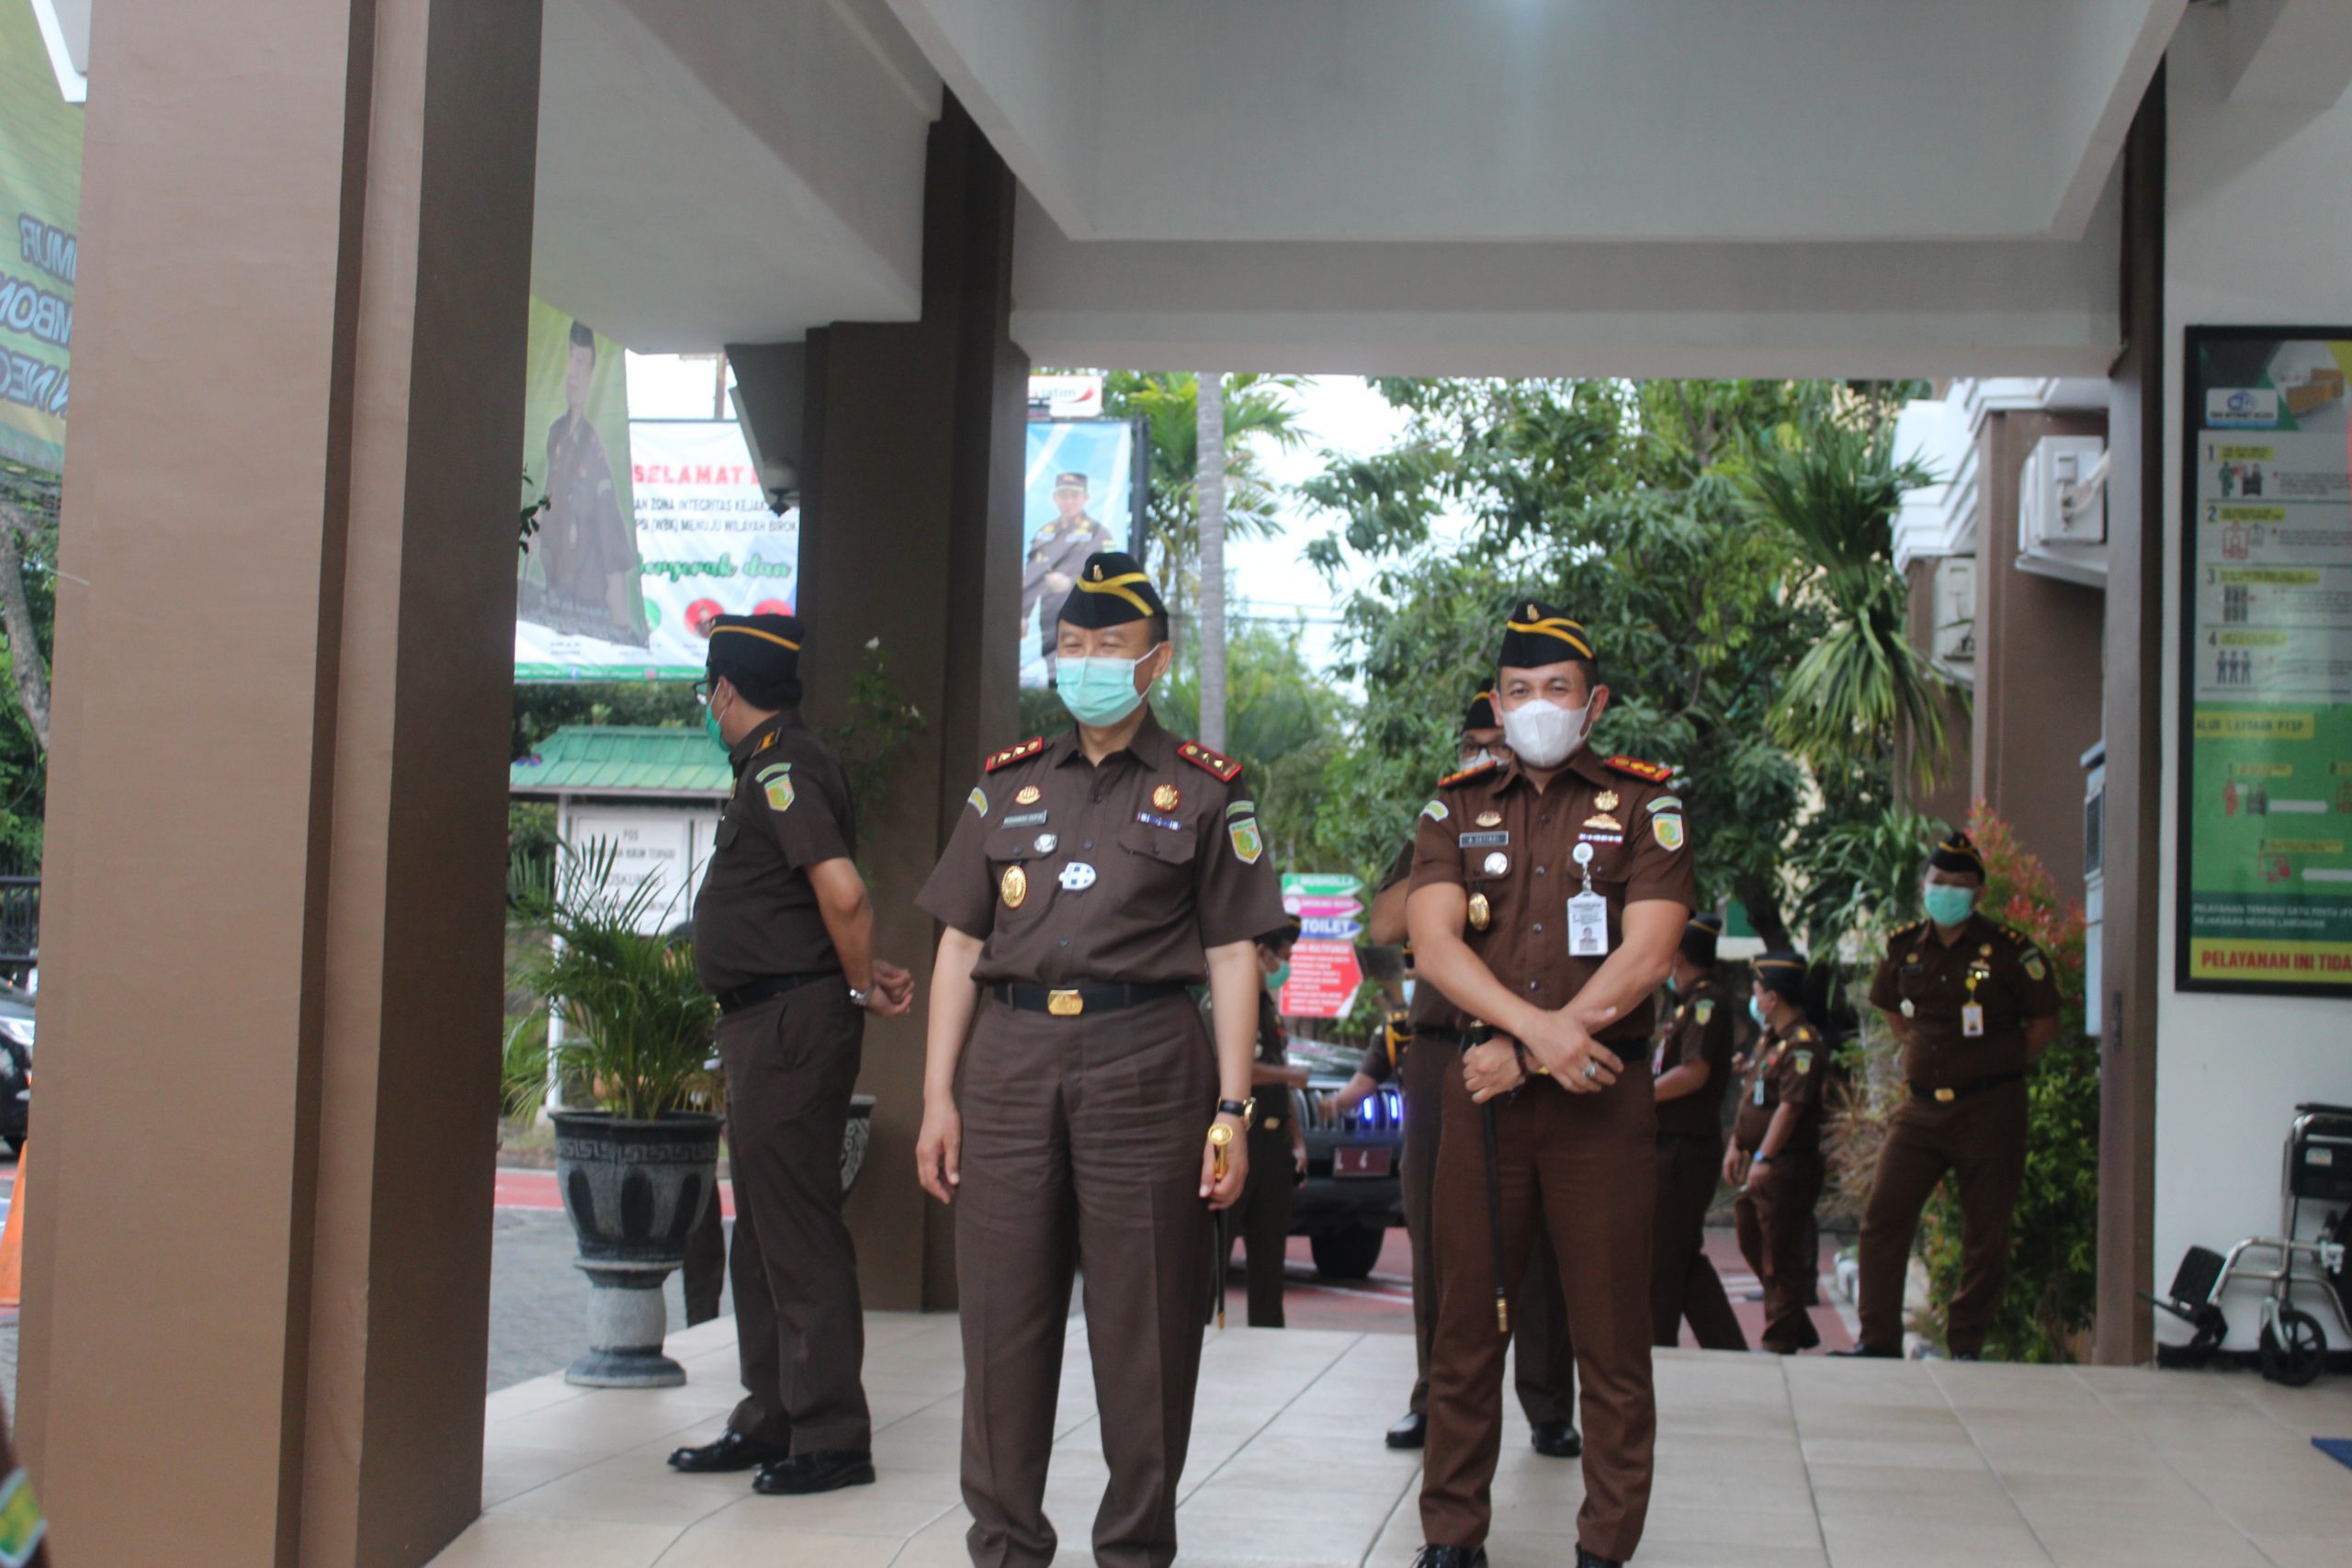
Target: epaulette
1489 765
1218 766
1911 929
1012 754
1656 772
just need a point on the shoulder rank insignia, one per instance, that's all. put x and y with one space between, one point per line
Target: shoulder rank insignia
1466 775
1223 769
1656 772
1012 754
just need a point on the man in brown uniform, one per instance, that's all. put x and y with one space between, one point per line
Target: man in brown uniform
1775 1159
1260 1221
1544 1368
1055 553
1692 1073
1548 894
784 938
1974 1004
1092 878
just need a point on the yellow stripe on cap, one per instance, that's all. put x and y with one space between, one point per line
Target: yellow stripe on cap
754 631
1776 964
1120 586
1560 627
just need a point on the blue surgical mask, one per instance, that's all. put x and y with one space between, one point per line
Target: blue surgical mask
1098 692
1756 1012
1948 905
1279 978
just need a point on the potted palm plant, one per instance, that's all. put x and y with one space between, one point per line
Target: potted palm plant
636 1169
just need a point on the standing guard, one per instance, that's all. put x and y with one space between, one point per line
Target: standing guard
1775 1159
1692 1072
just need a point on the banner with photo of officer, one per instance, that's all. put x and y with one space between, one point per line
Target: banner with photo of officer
579 585
1080 495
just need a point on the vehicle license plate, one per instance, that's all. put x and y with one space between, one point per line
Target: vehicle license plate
1359 1160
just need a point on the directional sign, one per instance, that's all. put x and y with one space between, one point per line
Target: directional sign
1332 928
1324 979
1310 908
1322 883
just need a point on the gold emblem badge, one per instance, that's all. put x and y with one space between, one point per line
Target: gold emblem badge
1601 820
1165 797
1606 800
1482 914
1015 886
1987 950
1029 795
1490 818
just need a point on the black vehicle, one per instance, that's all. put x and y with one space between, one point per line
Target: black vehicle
1351 1195
15 1063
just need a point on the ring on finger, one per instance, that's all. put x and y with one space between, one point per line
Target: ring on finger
1592 1070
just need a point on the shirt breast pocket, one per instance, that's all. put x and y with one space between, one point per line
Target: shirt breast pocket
729 830
1161 852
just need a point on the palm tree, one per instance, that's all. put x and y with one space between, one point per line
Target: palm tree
1258 408
1208 498
1833 486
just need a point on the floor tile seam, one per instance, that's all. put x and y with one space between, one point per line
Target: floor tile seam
1388 1520
2184 1477
908 1544
1985 1459
606 1458
1812 1498
1353 1340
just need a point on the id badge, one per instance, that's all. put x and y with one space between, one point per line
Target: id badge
1759 1089
1587 926
1971 1019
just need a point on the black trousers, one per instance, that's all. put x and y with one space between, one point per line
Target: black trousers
1261 1222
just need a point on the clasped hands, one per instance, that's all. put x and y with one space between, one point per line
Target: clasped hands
1562 1044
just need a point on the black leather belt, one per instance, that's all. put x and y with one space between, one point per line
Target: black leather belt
769 986
1460 1039
1946 1096
1071 1001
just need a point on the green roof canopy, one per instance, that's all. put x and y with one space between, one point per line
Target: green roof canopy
640 760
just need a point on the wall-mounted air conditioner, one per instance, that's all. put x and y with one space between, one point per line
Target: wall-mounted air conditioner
2062 510
1953 594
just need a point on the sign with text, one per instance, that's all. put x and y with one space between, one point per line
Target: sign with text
2264 900
41 200
1324 979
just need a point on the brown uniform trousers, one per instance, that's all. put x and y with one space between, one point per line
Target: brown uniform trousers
1577 1167
1081 1149
1981 1140
1774 1215
792 1064
1260 1221
1544 1368
1683 1282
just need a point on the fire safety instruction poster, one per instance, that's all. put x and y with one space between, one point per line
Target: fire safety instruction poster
2267 810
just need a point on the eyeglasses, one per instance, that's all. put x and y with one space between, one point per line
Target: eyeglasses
702 692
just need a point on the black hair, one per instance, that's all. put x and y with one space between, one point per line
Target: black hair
761 692
583 337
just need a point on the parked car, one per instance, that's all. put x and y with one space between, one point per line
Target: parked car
15 1063
1351 1195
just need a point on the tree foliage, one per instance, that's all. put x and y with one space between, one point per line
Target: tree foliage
1257 409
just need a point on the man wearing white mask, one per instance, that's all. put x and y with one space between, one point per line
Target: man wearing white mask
1549 895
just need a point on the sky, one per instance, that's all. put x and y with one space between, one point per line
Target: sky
1339 415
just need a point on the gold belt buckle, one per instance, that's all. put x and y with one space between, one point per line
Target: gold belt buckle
1946 1096
1065 1004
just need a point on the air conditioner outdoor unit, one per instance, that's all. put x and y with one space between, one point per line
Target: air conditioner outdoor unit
1952 597
2062 509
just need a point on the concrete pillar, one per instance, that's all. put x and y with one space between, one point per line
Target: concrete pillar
258 1258
911 533
2134 658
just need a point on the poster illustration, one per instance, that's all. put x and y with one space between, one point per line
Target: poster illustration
2265 808
41 200
1079 495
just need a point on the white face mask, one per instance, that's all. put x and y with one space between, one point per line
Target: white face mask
1544 734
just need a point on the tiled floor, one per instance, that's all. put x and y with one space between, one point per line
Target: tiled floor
1762 1463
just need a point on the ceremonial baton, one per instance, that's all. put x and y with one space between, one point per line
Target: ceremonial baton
1478 1034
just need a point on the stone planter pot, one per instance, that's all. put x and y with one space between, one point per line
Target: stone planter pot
633 1190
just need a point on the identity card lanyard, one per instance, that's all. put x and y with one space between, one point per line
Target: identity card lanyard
1971 1014
1587 914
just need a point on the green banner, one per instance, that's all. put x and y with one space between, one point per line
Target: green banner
2265 806
578 594
40 195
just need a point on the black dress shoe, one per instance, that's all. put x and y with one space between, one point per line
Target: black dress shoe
1870 1353
803 1473
1452 1557
1409 1433
733 1451
1587 1559
1556 1439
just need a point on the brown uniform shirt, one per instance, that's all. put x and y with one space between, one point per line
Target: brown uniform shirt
1928 981
1489 831
1429 1008
1127 871
756 914
1785 1072
1698 1029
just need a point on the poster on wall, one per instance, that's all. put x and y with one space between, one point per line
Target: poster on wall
2265 899
704 544
1079 495
41 198
578 584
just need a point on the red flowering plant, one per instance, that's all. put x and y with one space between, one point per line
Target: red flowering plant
2046 1306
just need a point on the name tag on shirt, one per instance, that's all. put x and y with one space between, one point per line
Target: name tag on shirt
1759 1089
1587 926
1971 1019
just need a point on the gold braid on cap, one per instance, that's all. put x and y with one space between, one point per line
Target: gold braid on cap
1121 586
1777 963
1560 627
754 631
